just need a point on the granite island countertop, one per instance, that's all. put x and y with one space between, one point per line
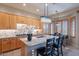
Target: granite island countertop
37 40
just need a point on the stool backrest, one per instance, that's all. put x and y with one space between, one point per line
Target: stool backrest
60 41
49 43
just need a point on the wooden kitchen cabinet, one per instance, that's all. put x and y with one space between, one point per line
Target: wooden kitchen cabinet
7 21
4 21
12 21
18 43
29 21
13 43
23 20
10 44
19 19
36 23
6 45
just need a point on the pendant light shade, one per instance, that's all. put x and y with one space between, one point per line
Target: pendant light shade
45 18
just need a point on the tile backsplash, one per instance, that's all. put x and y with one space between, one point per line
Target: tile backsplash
21 29
25 29
7 33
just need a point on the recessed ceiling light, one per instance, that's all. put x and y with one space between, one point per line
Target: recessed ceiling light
24 4
46 4
37 10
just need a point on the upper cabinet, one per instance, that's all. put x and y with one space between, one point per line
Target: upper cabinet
19 19
7 21
4 21
12 22
29 21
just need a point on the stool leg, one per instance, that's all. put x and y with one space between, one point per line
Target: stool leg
57 51
37 53
52 53
61 51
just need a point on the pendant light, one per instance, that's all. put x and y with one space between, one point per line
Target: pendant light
45 17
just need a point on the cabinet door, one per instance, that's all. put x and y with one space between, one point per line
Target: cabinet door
19 19
12 22
6 45
13 43
0 46
4 21
18 43
26 20
37 23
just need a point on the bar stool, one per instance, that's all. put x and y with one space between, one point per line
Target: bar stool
46 51
57 46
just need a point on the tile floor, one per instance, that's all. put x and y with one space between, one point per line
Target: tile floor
69 51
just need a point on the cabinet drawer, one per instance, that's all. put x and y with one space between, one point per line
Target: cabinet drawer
6 45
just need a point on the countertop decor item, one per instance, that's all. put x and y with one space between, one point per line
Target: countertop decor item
29 32
29 37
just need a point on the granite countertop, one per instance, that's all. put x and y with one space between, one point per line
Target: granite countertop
2 37
11 36
20 36
36 40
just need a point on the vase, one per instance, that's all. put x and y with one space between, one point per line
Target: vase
29 37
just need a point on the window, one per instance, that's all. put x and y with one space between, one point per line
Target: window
46 28
61 27
58 27
64 27
73 27
52 28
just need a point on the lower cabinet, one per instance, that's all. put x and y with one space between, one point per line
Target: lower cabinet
6 44
13 53
11 46
15 43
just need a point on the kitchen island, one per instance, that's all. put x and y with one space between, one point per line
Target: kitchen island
36 42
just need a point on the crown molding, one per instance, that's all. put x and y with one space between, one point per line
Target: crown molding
71 12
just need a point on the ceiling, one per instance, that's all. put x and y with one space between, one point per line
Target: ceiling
38 8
